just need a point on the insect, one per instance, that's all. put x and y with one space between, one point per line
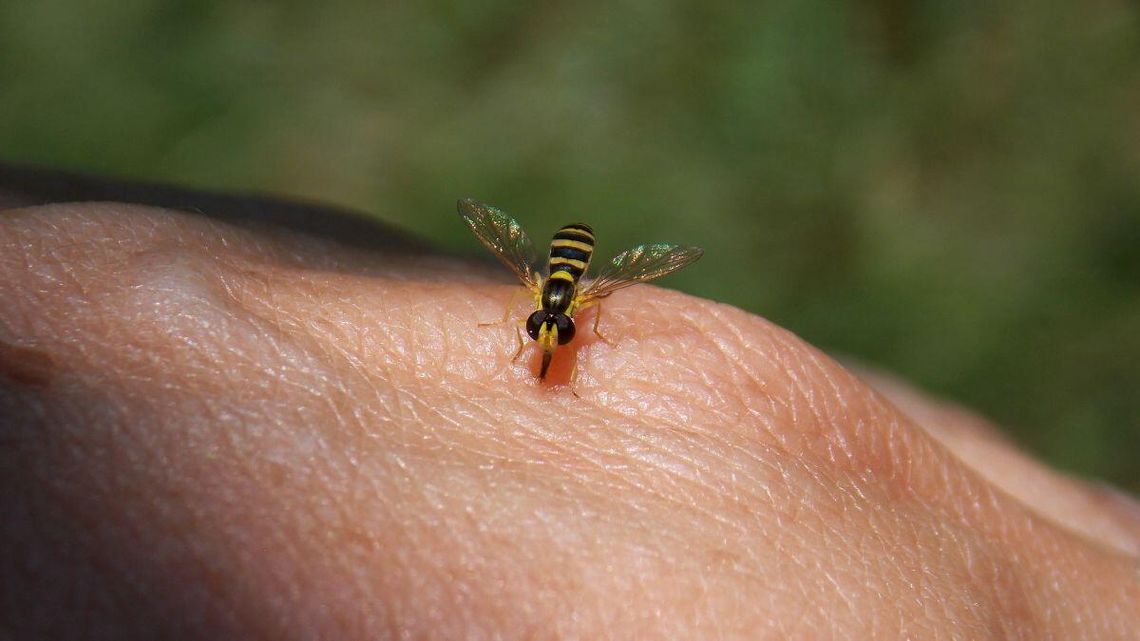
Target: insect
563 291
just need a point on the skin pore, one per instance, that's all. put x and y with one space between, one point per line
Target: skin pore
217 430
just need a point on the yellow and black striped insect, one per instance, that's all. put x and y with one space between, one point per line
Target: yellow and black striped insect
562 291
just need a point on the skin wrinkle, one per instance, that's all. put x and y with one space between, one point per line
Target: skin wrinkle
297 330
672 472
815 369
880 528
628 482
731 355
731 325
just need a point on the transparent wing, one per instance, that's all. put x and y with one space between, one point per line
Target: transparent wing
638 265
503 236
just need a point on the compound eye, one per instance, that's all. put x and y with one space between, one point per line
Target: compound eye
535 321
565 326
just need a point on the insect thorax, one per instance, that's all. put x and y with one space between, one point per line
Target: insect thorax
558 292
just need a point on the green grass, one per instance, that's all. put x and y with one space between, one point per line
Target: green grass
951 191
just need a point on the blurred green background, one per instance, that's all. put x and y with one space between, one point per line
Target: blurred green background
946 190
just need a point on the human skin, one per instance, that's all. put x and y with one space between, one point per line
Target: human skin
212 430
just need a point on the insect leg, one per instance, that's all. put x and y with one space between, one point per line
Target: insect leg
574 378
522 344
597 319
518 353
506 312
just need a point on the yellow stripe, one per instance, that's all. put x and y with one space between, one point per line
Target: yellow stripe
561 275
576 244
573 262
577 230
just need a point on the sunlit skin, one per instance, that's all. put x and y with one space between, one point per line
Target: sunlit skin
212 432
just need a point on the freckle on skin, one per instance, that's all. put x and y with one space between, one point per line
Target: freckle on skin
26 365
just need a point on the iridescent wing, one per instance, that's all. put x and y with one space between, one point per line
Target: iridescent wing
503 236
638 265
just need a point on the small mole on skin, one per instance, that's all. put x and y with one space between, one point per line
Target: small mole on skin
26 365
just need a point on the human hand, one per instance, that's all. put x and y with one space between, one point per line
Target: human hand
213 431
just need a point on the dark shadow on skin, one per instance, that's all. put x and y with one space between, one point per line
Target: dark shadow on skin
69 569
29 187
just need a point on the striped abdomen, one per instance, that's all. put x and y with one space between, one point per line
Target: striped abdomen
570 253
571 249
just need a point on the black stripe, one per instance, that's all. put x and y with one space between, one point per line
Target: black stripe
569 269
572 234
580 226
570 252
